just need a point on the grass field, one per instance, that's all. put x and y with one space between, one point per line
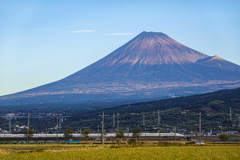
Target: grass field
76 151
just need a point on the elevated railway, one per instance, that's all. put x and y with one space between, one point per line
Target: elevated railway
59 138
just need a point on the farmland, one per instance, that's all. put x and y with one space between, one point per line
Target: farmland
94 151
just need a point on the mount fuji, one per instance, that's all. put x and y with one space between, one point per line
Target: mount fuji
151 65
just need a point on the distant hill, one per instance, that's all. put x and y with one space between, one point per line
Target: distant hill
151 65
215 102
181 111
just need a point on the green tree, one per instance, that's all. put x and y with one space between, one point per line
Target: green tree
68 134
120 134
137 133
86 132
29 133
223 137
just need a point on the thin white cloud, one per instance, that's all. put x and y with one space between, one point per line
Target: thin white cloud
119 34
42 29
82 31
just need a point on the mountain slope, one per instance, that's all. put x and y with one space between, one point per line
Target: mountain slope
216 102
214 108
220 63
150 65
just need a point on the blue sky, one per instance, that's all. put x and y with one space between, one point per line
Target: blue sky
46 40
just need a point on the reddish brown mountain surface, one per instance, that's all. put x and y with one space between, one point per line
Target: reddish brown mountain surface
151 65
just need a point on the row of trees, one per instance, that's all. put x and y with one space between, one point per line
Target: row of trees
69 133
120 134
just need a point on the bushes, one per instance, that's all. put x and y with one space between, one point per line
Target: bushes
113 146
191 142
165 143
132 142
39 149
223 137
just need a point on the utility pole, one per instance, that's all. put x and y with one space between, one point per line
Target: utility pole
118 122
57 129
159 123
230 114
238 125
60 122
145 134
113 119
200 127
102 128
221 128
143 120
144 125
28 128
128 134
10 126
175 133
98 130
191 132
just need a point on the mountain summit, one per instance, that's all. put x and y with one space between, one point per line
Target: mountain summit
150 48
140 56
150 65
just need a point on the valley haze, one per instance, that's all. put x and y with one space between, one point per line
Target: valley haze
150 66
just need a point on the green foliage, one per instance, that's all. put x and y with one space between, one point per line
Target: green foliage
118 142
68 134
223 137
85 133
113 146
137 132
39 149
215 102
120 134
163 143
132 142
29 133
172 109
141 144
